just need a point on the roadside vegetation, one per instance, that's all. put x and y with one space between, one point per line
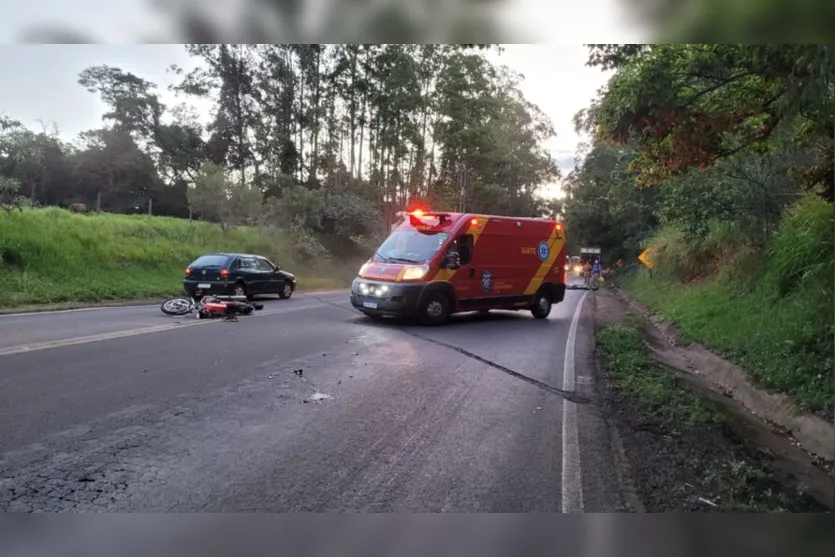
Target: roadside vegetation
719 160
51 256
307 155
681 444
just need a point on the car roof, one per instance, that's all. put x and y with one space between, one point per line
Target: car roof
228 254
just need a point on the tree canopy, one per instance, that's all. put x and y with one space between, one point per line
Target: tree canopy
372 128
690 135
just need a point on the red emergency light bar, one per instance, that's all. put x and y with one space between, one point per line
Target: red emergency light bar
418 218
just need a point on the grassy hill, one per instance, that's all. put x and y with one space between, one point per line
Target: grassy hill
51 255
769 311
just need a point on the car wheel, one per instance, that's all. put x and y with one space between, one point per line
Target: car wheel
240 290
434 310
541 306
286 291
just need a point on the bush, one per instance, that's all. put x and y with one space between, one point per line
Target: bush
306 247
801 256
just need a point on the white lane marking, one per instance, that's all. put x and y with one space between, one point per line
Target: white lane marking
135 332
572 480
306 293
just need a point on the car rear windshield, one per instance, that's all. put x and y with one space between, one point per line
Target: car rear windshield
210 261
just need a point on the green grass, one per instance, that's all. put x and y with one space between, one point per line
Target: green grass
657 390
52 256
769 309
783 343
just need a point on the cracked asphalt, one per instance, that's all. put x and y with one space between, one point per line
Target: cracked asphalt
125 409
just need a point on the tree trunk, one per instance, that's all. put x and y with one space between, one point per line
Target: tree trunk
301 120
241 124
353 108
362 133
316 117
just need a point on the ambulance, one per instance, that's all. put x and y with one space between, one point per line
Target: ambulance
435 264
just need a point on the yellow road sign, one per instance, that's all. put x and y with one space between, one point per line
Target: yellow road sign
646 258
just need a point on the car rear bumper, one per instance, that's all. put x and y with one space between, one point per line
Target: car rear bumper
397 300
220 287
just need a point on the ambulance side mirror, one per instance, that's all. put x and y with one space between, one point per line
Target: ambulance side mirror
451 262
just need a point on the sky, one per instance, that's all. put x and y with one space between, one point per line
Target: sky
45 87
41 80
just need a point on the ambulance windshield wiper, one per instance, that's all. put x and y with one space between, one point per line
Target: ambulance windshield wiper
385 259
404 260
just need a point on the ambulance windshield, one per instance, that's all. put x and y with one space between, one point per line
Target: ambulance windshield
410 246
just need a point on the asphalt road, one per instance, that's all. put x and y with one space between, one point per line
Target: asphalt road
125 409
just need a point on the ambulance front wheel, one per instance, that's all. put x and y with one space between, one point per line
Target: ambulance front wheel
541 307
435 309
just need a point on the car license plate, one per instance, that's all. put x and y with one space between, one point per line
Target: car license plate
204 285
370 305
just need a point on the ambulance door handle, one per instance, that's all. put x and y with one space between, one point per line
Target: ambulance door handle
472 272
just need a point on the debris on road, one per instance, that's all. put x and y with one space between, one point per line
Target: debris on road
318 397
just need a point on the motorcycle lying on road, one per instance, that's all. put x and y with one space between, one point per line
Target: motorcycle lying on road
208 307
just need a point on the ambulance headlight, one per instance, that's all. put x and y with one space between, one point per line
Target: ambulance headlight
415 272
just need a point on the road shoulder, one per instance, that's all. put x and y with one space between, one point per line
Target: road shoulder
683 449
69 306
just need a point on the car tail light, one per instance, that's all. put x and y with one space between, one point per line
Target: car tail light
188 272
224 273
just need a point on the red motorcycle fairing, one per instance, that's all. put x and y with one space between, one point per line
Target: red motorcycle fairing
214 307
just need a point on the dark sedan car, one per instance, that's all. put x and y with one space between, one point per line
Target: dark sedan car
237 274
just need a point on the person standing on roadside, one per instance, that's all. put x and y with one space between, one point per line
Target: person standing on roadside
595 272
587 273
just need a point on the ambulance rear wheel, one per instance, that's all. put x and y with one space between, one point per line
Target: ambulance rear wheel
434 310
541 307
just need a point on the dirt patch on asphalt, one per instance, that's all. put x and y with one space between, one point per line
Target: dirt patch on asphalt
686 448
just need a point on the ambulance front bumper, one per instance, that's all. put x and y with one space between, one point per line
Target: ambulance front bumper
385 298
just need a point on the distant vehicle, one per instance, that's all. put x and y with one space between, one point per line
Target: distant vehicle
588 255
237 274
435 264
575 265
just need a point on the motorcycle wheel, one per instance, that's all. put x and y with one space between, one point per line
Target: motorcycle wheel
176 306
